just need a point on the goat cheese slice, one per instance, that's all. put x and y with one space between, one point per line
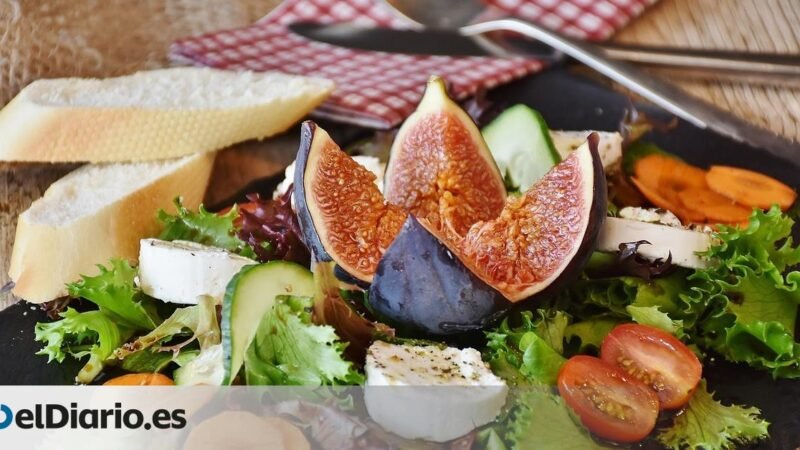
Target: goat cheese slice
181 271
609 147
431 393
682 243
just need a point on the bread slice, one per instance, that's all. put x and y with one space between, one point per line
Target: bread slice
95 213
151 115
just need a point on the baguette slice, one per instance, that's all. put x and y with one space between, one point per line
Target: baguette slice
151 115
95 213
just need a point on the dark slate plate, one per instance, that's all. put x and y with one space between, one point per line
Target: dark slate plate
567 101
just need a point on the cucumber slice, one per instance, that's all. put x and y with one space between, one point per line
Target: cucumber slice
521 145
249 295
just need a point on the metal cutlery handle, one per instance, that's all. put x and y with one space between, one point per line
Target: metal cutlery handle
663 94
722 61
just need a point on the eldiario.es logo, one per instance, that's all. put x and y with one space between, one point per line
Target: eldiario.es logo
54 416
8 416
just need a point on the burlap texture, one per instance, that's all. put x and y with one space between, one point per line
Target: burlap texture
93 38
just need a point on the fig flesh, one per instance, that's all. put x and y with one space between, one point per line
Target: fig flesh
440 169
543 236
420 283
342 214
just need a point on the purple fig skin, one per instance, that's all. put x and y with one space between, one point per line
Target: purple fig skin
310 235
597 217
420 284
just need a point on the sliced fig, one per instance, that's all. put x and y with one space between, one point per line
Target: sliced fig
440 169
343 216
543 236
420 283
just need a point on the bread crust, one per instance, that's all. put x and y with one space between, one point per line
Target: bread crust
34 132
47 256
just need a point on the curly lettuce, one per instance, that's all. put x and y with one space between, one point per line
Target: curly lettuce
122 310
750 295
289 349
204 227
707 424
271 228
531 352
92 334
115 293
541 421
196 323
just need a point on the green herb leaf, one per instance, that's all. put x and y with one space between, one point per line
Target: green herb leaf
91 334
709 425
115 293
289 349
203 227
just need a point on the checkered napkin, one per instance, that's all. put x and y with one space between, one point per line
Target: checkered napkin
377 89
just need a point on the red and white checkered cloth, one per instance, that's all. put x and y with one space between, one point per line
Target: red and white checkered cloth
377 89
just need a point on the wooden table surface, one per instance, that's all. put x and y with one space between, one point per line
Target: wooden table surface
755 25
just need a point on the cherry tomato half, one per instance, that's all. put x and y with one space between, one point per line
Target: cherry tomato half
656 358
610 404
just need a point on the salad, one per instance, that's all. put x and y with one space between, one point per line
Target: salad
593 271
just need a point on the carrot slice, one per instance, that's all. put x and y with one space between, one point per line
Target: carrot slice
668 200
664 172
750 188
717 208
140 379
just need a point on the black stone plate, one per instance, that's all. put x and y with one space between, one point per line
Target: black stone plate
571 102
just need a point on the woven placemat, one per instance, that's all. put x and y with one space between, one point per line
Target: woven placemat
753 25
58 38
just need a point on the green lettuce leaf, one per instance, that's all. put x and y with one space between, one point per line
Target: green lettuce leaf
750 295
766 243
490 439
115 293
156 361
289 349
654 317
91 334
709 425
531 352
198 323
541 421
586 336
588 299
203 227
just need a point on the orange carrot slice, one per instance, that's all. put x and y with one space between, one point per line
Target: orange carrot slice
663 172
668 200
140 379
750 188
717 208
